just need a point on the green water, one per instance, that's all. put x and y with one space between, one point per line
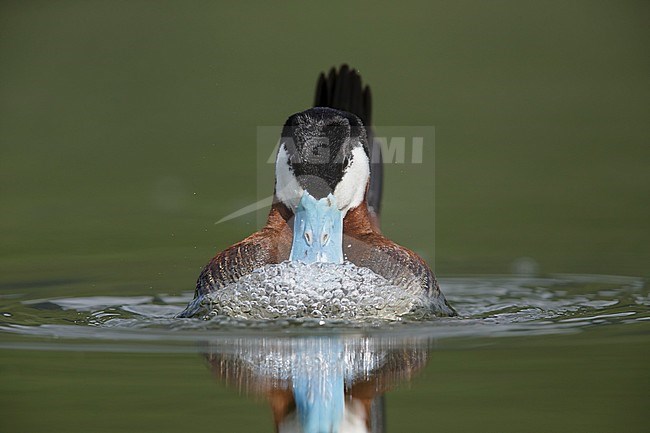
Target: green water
127 129
592 382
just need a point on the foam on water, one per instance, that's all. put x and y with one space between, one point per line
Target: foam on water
488 306
317 290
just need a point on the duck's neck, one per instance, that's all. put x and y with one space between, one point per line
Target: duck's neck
280 219
358 221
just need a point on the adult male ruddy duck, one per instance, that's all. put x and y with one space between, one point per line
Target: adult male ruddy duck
326 200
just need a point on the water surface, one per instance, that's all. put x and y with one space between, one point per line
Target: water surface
563 342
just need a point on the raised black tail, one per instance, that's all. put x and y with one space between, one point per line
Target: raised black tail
343 90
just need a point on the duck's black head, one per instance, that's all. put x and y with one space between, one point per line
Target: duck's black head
323 151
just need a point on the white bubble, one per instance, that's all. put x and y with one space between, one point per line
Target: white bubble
318 290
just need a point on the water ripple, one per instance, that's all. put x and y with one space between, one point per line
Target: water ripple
488 306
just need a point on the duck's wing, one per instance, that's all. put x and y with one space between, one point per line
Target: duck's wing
367 248
270 245
397 264
238 260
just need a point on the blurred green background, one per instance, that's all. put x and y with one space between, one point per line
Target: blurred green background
127 128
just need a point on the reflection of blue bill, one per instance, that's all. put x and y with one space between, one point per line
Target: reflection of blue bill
318 386
317 231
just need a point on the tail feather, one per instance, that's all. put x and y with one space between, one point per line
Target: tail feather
344 90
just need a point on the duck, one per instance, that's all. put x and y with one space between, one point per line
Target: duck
327 200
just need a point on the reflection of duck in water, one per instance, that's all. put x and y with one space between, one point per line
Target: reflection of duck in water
326 201
320 384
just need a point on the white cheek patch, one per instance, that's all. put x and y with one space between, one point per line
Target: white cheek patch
287 188
351 190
